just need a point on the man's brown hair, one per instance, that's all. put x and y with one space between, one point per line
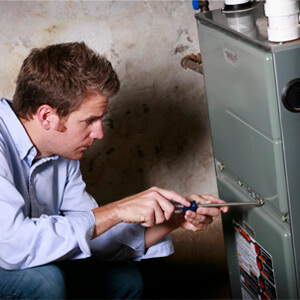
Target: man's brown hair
62 76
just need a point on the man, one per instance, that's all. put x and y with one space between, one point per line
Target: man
48 221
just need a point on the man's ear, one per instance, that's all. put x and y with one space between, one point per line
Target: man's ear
47 116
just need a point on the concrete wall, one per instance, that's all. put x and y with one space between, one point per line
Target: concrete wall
156 131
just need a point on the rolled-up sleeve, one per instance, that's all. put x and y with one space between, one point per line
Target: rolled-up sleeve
84 225
126 241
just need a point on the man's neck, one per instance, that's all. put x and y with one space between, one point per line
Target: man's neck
34 135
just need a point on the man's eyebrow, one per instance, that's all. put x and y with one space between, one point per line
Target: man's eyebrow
101 115
92 117
95 116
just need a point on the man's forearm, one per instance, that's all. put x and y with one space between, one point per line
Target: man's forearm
106 217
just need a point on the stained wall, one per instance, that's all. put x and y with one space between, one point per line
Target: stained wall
156 130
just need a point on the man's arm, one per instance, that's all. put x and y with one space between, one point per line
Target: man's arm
154 210
149 208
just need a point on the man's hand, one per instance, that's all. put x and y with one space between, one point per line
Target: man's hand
149 208
189 220
203 216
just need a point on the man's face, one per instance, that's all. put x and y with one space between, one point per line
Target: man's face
81 128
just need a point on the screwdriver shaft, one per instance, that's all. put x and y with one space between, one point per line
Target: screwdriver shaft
181 208
255 203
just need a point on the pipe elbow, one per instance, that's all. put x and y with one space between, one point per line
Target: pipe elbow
193 62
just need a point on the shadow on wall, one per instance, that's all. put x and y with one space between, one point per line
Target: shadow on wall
152 137
147 140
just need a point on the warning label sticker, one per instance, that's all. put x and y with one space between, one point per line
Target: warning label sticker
256 267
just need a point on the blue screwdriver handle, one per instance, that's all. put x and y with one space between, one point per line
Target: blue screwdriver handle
181 208
193 206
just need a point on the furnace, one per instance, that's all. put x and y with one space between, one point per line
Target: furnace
253 96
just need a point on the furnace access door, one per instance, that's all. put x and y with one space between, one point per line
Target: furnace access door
252 88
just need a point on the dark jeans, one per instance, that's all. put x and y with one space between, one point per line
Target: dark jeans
78 279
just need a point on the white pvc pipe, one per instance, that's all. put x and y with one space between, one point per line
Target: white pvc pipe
243 23
283 17
235 2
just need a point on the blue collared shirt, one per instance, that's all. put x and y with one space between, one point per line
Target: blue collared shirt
45 211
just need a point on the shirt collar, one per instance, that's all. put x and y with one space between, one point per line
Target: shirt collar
24 146
14 126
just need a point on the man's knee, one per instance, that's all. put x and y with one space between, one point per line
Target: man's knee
92 279
136 284
51 282
127 281
44 282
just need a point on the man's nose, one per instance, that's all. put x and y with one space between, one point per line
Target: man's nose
97 130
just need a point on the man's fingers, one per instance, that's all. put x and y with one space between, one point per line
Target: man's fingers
216 200
153 206
196 218
150 207
171 195
162 207
203 199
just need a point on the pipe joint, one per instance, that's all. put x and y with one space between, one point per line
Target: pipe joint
283 20
193 62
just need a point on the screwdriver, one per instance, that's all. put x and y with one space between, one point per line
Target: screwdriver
181 208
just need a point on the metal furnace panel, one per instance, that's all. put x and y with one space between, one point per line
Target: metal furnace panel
264 226
242 102
287 65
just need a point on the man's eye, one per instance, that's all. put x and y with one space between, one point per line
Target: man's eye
89 122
